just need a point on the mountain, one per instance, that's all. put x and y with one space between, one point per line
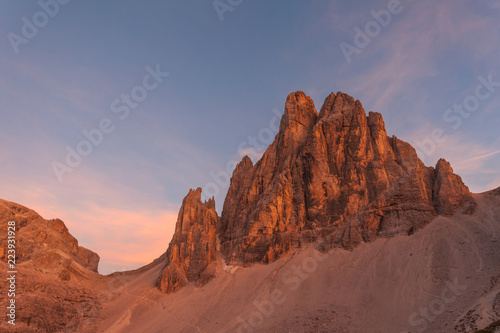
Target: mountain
337 228
337 177
444 278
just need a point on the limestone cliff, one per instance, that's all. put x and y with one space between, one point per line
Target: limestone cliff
335 176
191 254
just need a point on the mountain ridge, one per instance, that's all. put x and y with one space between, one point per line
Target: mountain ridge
332 184
334 177
321 172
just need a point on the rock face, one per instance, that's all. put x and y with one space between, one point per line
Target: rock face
53 274
41 240
334 176
450 194
191 254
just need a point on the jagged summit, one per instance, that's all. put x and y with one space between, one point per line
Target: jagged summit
195 196
191 254
298 119
336 177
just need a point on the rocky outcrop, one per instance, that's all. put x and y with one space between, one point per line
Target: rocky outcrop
449 191
46 242
334 176
52 274
191 254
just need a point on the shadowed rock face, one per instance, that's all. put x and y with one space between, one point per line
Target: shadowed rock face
336 176
191 253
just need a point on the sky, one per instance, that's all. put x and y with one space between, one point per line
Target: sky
112 110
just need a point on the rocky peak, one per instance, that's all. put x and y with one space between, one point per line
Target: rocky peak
245 163
449 190
190 209
336 176
299 110
299 117
243 167
190 256
443 167
337 105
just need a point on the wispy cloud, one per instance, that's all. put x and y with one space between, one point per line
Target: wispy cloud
414 47
409 73
481 157
131 236
129 190
477 162
128 236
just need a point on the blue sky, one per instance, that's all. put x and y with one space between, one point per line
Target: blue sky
225 79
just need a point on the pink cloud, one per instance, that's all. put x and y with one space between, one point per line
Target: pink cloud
111 219
130 238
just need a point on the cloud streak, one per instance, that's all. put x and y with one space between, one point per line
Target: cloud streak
481 157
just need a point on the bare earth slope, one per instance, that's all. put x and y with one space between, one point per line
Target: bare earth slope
444 278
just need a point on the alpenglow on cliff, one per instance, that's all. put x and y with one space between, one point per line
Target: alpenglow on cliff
335 178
